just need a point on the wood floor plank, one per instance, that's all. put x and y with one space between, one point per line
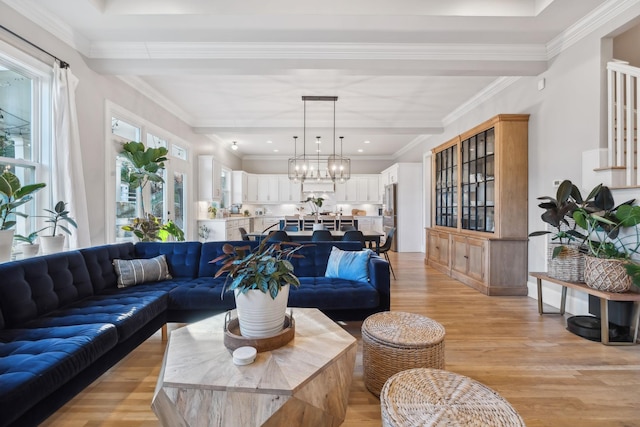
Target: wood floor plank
551 376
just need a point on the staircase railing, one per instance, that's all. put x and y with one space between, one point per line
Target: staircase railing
623 92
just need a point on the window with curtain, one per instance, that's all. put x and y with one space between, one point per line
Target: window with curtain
25 120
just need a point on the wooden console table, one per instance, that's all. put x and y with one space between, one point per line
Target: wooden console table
604 296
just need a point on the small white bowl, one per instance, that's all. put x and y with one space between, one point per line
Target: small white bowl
244 355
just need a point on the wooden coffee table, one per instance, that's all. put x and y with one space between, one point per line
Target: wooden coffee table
305 382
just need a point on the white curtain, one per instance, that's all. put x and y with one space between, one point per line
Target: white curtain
68 178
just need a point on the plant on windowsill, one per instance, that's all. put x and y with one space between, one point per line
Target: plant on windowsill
145 166
58 219
28 247
12 196
260 279
565 257
612 239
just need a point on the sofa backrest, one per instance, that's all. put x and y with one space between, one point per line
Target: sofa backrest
33 287
99 260
183 258
212 250
316 255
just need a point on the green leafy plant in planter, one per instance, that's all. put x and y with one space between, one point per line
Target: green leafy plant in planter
260 279
145 167
612 234
57 217
12 196
565 259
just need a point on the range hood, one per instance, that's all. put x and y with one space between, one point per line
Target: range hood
318 187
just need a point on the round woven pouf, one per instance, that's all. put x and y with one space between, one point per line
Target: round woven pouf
434 397
393 341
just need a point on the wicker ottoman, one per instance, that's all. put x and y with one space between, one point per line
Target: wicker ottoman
429 397
393 341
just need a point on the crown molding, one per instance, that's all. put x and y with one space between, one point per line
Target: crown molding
416 141
281 157
494 88
588 24
144 88
352 51
35 13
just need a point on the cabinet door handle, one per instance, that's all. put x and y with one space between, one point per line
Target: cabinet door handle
466 257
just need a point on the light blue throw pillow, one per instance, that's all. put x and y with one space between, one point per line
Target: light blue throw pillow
349 265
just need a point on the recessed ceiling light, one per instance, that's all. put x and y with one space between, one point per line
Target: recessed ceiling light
318 150
276 150
269 142
360 150
367 142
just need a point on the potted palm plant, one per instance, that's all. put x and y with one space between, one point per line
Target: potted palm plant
260 279
612 239
57 219
565 257
145 167
12 196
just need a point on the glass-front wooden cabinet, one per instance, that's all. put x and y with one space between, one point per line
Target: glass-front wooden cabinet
479 203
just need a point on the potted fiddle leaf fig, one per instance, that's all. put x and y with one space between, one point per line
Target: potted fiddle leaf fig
12 196
57 219
565 257
145 166
260 279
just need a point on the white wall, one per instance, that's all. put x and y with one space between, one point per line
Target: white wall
566 119
91 94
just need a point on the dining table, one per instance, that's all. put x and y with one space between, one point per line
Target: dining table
371 238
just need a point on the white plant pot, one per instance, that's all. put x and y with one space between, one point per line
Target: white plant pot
318 227
52 244
29 250
259 315
6 243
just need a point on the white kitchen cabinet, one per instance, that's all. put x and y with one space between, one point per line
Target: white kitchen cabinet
209 173
223 229
261 223
368 189
347 191
252 188
239 187
289 191
268 189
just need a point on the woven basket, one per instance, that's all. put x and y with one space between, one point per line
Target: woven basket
393 341
606 274
568 265
434 397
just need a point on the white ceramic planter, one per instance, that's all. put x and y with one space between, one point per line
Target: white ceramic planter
259 315
6 243
52 244
28 250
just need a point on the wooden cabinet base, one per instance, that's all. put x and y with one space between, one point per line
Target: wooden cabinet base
491 266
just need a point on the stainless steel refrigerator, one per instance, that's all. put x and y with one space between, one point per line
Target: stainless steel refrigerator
390 213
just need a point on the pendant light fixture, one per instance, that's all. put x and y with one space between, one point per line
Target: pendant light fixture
327 168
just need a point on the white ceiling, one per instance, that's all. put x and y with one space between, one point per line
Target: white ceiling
236 70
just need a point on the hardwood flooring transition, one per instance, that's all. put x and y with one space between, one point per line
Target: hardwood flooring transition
551 376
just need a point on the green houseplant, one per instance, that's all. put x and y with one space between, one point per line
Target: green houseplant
612 238
260 279
57 219
29 247
12 196
145 167
565 260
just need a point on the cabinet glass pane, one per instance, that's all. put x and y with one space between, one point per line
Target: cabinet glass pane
478 163
446 191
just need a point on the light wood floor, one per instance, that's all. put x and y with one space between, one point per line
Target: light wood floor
551 377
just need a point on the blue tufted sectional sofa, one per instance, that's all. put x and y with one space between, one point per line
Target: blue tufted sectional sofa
64 322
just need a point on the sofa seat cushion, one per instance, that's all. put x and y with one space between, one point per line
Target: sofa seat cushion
333 294
202 293
35 362
128 311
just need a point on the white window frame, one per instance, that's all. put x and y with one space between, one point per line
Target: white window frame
41 75
113 147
